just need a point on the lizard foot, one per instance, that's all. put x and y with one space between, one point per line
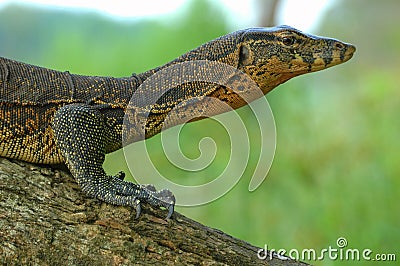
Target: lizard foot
132 194
163 198
81 135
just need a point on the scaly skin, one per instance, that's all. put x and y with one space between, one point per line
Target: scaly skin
50 117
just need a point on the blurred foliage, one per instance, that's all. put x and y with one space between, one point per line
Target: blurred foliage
97 45
336 167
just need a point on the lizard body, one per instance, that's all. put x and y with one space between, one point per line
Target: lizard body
49 117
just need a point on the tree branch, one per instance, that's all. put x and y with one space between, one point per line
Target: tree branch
45 219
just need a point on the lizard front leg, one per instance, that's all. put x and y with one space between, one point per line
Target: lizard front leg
79 131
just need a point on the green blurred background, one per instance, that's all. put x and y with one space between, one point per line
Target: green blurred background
336 167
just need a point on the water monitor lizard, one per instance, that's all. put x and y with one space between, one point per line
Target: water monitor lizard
51 117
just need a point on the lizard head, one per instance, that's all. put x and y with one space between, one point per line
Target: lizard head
272 56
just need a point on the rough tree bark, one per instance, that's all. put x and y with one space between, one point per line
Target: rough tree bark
45 219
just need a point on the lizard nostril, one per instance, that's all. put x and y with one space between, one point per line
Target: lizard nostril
339 45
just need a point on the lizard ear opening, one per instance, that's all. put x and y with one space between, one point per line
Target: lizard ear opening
245 55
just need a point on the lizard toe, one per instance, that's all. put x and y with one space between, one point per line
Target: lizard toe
167 200
150 187
120 175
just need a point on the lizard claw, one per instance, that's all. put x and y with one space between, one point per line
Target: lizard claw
138 209
170 211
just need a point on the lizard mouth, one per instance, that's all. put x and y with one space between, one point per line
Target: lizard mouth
300 66
322 63
343 53
348 54
351 49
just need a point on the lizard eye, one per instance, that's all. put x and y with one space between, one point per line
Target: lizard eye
288 41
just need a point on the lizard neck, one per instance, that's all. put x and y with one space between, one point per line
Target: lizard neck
115 92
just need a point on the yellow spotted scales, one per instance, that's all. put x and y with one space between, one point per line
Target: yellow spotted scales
51 117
